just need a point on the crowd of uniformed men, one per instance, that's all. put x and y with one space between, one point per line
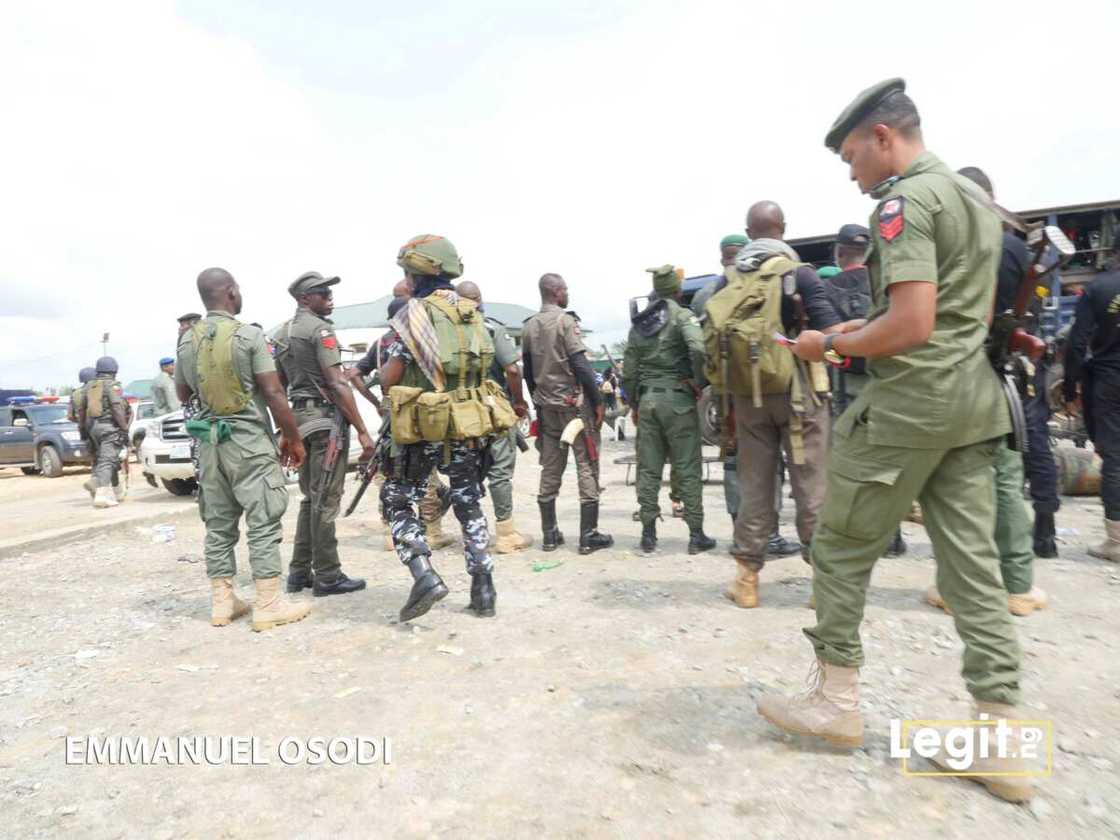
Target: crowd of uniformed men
868 384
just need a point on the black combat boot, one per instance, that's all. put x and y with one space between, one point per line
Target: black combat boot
649 537
483 596
1044 533
897 547
339 585
779 546
298 581
589 537
698 541
427 588
552 535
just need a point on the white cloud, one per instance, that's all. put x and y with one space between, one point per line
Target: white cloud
146 141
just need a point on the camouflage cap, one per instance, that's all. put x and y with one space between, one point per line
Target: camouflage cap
309 281
666 279
860 107
431 256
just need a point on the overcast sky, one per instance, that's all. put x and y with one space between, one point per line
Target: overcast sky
144 141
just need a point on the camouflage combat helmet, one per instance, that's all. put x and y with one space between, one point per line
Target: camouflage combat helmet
107 364
430 255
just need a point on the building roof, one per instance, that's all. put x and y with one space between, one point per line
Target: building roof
375 314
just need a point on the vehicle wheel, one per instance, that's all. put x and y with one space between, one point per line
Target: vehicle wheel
709 410
179 486
137 439
50 462
151 479
30 470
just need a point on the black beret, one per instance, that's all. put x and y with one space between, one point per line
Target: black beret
190 316
853 235
309 281
859 108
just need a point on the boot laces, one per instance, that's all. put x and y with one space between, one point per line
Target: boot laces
814 682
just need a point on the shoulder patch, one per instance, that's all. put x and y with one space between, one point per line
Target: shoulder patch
892 221
327 339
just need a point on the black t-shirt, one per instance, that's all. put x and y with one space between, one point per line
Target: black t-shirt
1013 264
819 312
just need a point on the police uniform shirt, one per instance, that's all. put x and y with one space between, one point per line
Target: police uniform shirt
944 393
549 339
305 347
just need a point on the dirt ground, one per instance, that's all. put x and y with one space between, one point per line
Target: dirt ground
613 696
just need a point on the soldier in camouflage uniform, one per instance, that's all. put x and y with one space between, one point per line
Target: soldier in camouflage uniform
436 331
664 370
105 414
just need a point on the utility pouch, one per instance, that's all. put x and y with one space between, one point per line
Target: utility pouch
404 415
470 419
433 415
502 414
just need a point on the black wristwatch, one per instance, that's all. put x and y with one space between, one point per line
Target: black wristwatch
832 356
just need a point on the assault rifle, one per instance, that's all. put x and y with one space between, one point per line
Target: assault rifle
340 426
1010 345
369 469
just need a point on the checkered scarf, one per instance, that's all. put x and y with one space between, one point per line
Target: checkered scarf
415 328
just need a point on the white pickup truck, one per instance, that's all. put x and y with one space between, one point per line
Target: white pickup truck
164 453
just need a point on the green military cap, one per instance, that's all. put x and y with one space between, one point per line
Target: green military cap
859 108
734 239
309 281
189 316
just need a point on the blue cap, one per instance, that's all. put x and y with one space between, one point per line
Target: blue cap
166 360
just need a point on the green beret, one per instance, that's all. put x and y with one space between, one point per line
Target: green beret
860 107
666 280
308 281
734 239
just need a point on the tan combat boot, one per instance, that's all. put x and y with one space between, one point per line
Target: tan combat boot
272 609
744 588
1012 788
104 498
509 540
225 606
934 599
1110 548
436 538
1027 602
828 709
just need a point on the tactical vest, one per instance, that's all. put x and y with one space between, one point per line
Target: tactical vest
97 399
218 383
470 405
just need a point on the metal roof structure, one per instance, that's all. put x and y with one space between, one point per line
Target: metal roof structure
375 314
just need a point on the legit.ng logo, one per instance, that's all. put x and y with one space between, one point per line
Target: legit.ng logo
964 747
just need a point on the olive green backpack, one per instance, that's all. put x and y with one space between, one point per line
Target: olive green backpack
218 383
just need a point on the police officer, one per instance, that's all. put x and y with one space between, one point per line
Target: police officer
105 414
664 368
929 423
849 290
227 365
164 400
441 343
506 371
563 388
73 414
192 406
1096 333
307 351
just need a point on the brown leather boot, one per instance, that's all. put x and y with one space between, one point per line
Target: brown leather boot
272 609
1012 788
509 539
828 708
225 606
744 588
934 599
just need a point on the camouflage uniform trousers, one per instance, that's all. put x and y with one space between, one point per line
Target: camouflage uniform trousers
109 441
402 491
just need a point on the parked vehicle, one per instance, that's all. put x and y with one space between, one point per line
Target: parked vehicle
164 453
39 439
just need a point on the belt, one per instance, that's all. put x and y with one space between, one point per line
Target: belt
307 402
658 389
